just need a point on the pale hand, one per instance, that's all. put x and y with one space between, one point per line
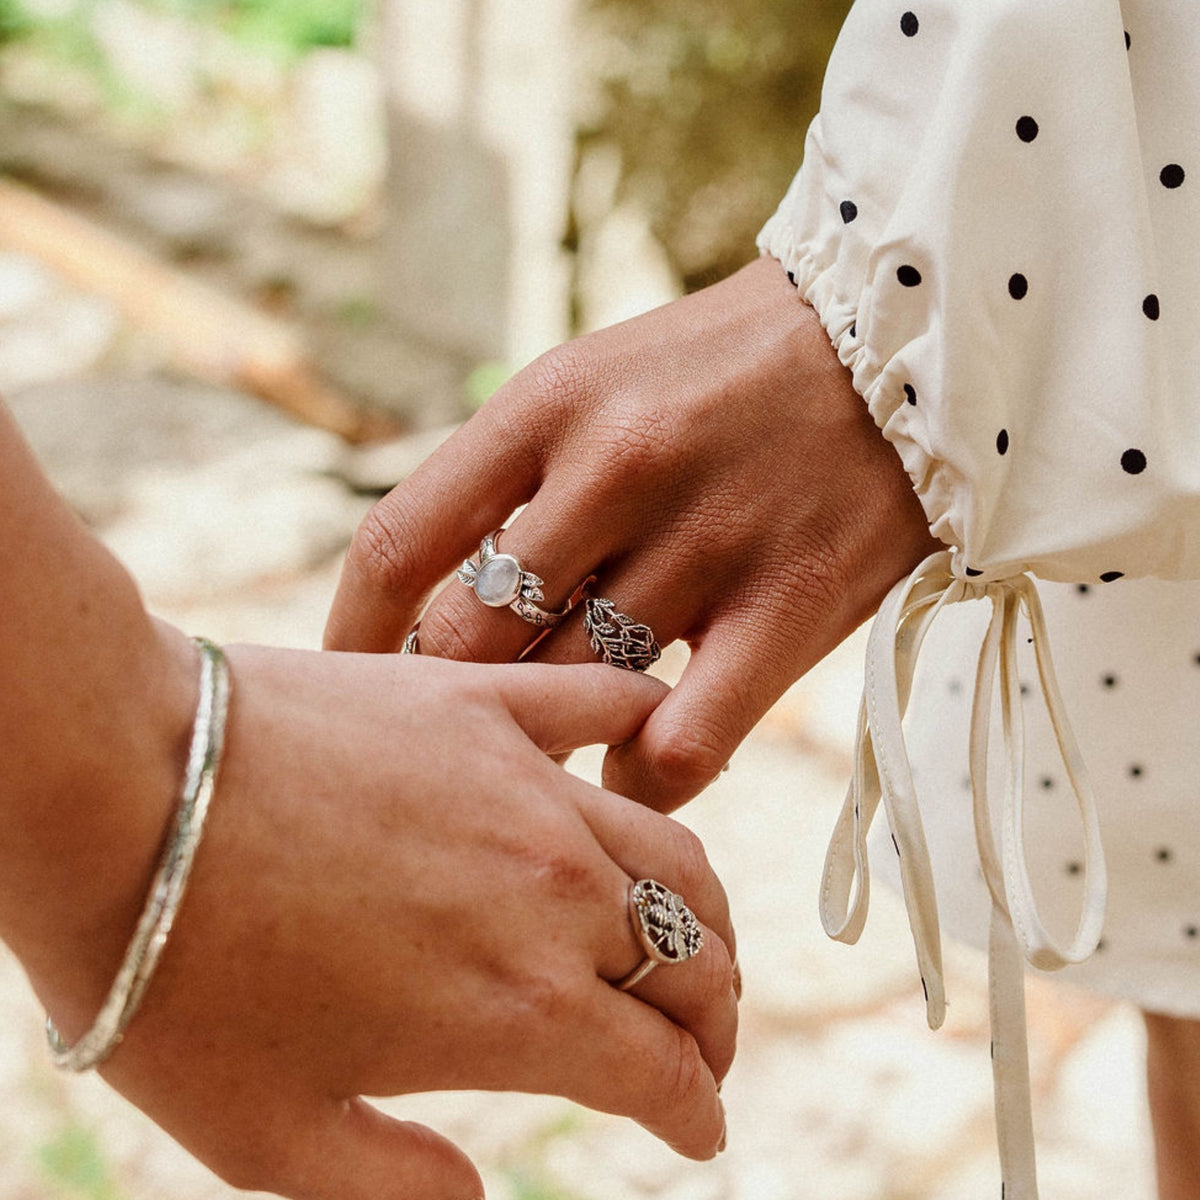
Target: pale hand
398 891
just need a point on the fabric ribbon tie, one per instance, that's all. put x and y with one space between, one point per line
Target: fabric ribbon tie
882 772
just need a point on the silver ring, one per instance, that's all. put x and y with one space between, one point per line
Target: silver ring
411 643
500 581
665 926
619 640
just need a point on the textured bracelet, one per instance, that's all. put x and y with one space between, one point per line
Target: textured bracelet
166 892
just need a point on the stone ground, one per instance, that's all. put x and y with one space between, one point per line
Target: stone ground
234 520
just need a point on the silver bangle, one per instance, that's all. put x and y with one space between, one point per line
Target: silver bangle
166 892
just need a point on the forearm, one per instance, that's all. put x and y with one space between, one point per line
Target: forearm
94 715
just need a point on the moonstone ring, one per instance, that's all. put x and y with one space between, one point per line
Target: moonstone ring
500 581
665 926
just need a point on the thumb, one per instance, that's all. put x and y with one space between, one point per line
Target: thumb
563 708
355 1152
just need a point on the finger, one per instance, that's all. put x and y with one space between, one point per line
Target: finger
735 674
648 595
411 540
352 1151
627 1058
698 995
545 539
563 708
648 845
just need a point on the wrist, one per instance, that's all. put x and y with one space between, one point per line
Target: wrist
79 858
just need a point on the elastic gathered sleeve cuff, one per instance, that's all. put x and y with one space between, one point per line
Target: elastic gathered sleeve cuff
998 222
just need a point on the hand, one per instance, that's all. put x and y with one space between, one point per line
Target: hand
711 464
398 891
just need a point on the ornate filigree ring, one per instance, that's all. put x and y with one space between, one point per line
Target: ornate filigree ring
619 639
500 581
665 926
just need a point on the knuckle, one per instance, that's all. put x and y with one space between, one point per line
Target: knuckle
560 378
686 1076
687 759
382 551
718 968
691 860
446 633
637 441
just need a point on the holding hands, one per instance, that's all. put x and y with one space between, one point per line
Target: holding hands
710 465
398 890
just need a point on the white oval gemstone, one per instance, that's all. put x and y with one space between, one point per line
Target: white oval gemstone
498 582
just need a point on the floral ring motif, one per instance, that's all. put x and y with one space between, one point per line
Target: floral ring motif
619 640
500 581
665 926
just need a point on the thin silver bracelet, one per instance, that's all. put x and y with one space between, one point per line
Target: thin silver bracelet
166 892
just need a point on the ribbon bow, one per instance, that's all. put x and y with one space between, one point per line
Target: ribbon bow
882 772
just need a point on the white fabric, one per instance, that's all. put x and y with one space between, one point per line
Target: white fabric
998 222
919 134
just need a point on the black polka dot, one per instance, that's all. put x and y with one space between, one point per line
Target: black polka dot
1073 868
909 276
1163 854
1172 175
1002 442
1191 931
1082 589
1018 286
1133 462
849 211
909 24
1111 576
1024 689
1128 40
1047 782
954 687
1150 306
966 783
1136 771
910 393
972 572
1109 681
1027 129
1196 659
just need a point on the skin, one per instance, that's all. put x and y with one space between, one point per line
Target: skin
397 889
711 464
1173 1078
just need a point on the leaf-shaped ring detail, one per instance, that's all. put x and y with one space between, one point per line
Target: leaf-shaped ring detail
619 640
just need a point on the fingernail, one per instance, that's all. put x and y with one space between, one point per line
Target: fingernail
724 1137
737 980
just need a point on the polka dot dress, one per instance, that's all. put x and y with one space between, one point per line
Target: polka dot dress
998 221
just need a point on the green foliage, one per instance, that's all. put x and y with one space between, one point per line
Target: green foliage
14 20
75 1164
483 381
289 26
294 25
709 103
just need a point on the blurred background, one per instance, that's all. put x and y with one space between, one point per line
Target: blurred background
257 257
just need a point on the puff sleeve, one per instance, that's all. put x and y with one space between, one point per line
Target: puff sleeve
998 221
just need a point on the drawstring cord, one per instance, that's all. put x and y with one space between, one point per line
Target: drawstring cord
882 773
